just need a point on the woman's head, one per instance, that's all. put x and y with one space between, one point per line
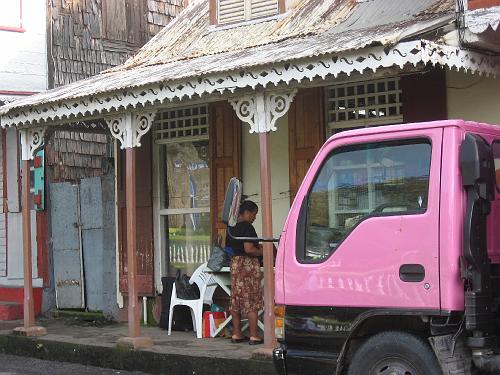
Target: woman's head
248 211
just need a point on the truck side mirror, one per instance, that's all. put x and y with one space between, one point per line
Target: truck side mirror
477 166
232 200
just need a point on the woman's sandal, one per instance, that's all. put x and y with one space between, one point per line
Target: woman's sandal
255 342
238 341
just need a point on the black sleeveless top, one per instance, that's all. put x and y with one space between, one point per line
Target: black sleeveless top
241 229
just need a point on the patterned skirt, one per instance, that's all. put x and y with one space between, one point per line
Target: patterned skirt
246 294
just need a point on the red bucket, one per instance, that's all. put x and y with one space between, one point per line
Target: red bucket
212 321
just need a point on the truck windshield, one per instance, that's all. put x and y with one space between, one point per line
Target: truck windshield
360 181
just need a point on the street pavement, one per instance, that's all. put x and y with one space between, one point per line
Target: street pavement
14 365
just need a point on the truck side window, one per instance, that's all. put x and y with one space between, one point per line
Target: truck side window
362 181
496 155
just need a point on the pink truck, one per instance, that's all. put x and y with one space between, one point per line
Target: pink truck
389 261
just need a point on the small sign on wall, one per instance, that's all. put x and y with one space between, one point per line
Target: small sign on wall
37 180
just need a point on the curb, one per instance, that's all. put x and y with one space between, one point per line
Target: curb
131 360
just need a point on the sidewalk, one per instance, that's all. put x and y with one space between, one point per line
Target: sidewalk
179 354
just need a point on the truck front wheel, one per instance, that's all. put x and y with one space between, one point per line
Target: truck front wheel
394 353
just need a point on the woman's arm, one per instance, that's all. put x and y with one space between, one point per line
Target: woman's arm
252 249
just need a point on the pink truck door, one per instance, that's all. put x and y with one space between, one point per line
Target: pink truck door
366 234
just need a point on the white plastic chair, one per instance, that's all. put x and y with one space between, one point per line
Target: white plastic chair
207 288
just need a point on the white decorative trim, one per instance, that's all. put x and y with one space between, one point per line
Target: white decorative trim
31 141
456 58
413 52
141 125
261 110
129 128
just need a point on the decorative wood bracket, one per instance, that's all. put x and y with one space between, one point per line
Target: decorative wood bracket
261 110
129 127
32 139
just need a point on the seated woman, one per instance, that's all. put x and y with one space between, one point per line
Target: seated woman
246 295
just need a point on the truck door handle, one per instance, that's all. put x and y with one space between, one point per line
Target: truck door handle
412 273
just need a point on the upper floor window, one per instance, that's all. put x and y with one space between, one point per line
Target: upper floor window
11 15
232 11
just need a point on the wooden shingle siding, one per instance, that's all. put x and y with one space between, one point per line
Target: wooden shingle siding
87 37
161 12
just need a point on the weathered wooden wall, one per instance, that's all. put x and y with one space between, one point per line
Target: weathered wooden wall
86 37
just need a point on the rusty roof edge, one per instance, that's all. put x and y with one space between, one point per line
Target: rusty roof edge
424 27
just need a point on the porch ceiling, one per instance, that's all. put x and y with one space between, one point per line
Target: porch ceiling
316 39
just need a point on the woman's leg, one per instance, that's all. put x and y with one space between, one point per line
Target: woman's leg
237 334
252 321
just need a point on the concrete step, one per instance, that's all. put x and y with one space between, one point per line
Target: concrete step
11 311
11 294
16 295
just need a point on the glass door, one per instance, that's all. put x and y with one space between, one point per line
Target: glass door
184 189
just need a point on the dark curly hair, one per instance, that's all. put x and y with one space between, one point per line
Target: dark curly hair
248 206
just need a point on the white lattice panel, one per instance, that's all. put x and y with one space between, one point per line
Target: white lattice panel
181 124
361 104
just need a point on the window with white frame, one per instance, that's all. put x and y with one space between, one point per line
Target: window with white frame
11 15
362 104
231 11
183 184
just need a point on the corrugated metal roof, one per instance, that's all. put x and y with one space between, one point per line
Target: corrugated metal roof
191 47
308 18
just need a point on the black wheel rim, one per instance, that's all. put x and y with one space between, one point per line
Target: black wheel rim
394 366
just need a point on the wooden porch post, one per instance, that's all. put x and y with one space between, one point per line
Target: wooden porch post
133 308
261 110
29 139
28 305
128 128
267 231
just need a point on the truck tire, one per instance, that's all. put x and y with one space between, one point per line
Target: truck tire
394 353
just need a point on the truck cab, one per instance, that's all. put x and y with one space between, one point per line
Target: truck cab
389 260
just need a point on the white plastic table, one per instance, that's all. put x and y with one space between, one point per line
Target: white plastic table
223 279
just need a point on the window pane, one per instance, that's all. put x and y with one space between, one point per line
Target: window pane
188 241
496 155
187 175
360 181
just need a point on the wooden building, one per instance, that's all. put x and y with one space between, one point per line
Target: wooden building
253 91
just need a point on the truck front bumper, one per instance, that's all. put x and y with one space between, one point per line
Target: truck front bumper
279 360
